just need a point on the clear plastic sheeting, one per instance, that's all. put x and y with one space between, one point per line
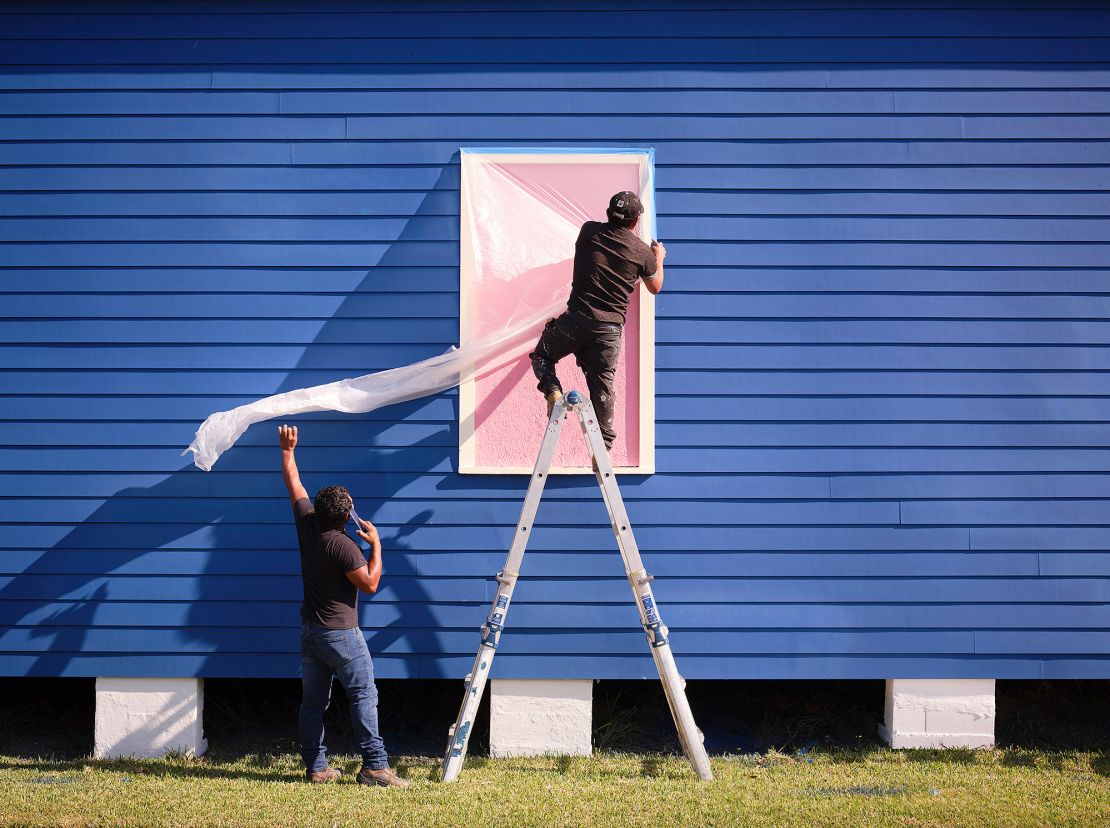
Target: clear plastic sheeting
552 221
358 395
505 263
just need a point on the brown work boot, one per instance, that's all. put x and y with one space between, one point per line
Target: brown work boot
384 778
320 777
594 463
552 398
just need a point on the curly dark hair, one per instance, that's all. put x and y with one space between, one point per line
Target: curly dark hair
333 505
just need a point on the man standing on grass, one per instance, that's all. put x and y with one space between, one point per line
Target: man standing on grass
609 259
334 572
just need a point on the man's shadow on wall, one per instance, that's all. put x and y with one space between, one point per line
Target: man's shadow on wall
60 610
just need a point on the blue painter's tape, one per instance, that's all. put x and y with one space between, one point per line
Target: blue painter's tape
648 151
460 739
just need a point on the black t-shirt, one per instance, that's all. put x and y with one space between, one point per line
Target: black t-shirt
607 262
330 600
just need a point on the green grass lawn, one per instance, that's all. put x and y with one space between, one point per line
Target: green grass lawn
825 787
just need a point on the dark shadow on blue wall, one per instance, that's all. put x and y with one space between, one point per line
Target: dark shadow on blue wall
68 633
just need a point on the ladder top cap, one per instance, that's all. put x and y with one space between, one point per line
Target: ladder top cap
574 398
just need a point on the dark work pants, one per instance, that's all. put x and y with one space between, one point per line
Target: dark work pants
596 346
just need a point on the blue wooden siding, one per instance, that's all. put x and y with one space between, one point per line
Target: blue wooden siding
884 376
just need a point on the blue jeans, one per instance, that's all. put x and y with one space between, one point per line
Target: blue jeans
344 654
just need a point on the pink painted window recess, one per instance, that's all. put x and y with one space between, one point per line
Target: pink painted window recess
520 216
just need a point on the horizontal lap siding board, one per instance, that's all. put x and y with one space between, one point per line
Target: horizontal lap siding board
883 353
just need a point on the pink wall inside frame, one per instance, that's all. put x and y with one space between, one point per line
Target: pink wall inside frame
509 413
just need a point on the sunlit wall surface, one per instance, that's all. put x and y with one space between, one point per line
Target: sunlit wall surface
882 424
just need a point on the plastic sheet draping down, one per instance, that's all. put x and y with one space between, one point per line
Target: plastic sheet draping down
549 222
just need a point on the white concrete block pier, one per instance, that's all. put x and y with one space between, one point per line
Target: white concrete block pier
939 713
149 717
536 717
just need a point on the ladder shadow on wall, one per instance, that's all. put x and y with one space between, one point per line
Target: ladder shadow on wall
198 556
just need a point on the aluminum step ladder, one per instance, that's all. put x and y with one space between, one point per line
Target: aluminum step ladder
638 579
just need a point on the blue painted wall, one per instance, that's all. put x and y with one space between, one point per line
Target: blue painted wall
883 415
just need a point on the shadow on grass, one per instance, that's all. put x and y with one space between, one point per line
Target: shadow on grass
848 755
562 765
1054 760
412 770
947 756
157 768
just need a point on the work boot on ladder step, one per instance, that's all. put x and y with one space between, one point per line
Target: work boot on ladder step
597 471
553 397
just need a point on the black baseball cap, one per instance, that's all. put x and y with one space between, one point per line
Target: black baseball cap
624 206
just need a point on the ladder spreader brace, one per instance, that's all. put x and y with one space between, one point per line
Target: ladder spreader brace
638 578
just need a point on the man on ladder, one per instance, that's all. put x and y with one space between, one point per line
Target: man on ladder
609 259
